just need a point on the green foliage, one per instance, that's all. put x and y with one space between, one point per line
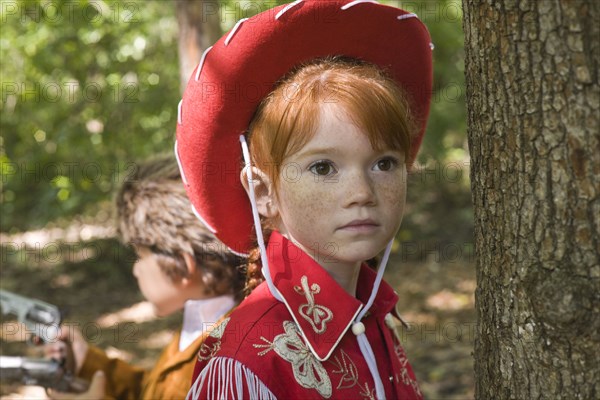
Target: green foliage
445 139
438 215
87 87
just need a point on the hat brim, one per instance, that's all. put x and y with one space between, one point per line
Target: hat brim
242 68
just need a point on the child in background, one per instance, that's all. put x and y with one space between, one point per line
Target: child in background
180 266
333 97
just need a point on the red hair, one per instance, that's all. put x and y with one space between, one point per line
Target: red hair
288 117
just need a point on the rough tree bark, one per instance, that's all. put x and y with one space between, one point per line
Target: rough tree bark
533 112
199 27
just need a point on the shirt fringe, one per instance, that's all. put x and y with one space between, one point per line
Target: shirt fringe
226 378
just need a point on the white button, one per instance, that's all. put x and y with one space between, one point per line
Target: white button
358 328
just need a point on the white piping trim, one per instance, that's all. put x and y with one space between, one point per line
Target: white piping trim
197 214
286 8
234 30
407 16
237 253
183 178
355 2
201 63
312 350
179 112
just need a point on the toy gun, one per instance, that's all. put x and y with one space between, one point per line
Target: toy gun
39 372
40 318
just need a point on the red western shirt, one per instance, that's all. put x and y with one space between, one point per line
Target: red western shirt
303 347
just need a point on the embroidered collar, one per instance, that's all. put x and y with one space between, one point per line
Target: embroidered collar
201 315
321 308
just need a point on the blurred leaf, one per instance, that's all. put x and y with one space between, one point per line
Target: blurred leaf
80 81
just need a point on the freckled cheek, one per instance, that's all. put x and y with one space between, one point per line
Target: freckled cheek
305 203
393 193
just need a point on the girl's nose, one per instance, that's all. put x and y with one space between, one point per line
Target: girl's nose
359 190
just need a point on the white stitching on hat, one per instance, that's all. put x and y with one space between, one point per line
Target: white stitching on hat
179 112
234 30
237 253
406 16
355 2
210 228
201 63
284 10
180 166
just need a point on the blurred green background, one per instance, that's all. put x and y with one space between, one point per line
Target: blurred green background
91 87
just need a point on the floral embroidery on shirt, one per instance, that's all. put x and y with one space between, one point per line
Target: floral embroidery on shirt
218 330
367 393
308 371
317 315
209 348
345 366
404 375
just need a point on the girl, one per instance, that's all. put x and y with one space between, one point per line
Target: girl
333 96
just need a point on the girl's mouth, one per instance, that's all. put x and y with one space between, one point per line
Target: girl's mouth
360 225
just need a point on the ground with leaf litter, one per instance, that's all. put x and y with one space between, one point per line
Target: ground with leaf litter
92 283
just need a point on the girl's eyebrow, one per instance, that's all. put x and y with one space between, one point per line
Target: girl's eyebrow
317 151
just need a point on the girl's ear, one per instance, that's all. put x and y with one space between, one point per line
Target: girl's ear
264 192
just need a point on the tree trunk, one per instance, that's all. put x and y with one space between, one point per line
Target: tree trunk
199 27
533 114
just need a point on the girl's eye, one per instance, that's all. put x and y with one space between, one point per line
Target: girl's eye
386 164
322 168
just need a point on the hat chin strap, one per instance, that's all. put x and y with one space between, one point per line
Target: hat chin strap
358 328
257 226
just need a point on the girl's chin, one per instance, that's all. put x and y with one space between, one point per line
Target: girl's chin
362 256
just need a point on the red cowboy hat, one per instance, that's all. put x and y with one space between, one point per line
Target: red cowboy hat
240 70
